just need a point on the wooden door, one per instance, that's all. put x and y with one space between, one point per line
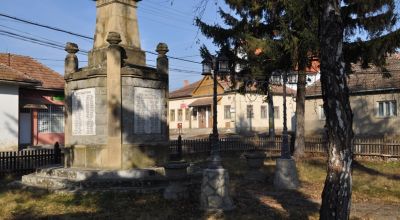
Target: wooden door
202 117
210 117
25 128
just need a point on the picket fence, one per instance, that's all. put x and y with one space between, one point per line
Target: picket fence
27 161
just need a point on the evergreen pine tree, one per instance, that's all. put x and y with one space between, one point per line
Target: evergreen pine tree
286 34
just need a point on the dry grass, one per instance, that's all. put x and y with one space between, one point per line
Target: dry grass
373 181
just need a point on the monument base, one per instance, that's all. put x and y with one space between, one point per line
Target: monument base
286 174
176 171
255 160
255 175
75 180
215 191
133 156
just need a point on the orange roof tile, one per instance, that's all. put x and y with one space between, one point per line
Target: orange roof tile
33 69
367 79
187 91
9 74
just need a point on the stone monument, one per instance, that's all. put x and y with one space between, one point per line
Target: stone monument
116 107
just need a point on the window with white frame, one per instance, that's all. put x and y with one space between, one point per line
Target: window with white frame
276 112
387 109
227 112
187 114
250 113
194 114
321 113
51 120
180 113
172 115
264 112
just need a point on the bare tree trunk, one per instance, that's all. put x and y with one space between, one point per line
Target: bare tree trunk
336 196
299 144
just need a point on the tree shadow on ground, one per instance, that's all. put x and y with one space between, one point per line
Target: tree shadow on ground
357 166
252 200
360 167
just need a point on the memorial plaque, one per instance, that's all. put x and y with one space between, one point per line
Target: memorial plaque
148 110
83 112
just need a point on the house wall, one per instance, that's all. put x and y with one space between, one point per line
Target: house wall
238 121
261 124
182 104
9 118
366 122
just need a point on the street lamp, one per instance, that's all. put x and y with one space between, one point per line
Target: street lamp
215 66
285 152
291 79
285 172
215 184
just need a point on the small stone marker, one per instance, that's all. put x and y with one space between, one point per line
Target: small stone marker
215 191
286 174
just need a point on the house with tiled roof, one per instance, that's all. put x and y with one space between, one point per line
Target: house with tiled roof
190 108
374 99
32 97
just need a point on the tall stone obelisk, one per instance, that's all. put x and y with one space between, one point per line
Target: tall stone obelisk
116 107
120 17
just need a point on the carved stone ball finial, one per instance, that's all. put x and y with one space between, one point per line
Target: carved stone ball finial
113 38
162 49
71 48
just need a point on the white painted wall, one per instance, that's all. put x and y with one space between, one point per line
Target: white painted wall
8 118
239 120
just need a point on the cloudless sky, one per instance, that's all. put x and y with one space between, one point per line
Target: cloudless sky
159 21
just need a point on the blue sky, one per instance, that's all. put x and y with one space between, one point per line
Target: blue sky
159 21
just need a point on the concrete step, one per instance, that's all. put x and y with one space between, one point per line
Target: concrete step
81 175
60 183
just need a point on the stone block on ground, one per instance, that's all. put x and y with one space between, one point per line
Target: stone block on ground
215 191
286 174
176 172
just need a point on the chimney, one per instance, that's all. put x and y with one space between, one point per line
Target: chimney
185 83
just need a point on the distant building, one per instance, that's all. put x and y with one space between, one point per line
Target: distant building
32 103
374 99
190 107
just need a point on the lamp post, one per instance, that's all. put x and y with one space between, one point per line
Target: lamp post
286 174
213 67
291 79
215 184
285 152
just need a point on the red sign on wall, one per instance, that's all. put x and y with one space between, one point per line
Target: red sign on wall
184 106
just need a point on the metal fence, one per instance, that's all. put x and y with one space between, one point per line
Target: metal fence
362 146
27 161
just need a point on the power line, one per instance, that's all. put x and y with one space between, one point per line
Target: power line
78 35
36 41
175 58
29 34
156 12
45 26
175 68
167 8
